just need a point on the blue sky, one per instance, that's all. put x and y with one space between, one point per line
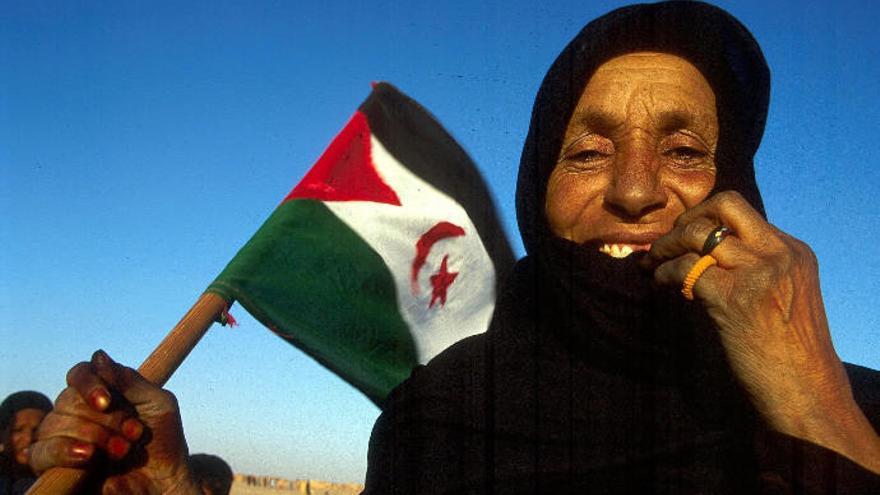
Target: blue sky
142 143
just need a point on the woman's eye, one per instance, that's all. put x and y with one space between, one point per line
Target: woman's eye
587 153
686 154
586 156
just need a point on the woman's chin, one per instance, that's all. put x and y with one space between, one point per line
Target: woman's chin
22 457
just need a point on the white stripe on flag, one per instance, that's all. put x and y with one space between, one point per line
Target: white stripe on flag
393 232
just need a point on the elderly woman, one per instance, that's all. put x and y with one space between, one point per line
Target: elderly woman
659 337
702 366
20 416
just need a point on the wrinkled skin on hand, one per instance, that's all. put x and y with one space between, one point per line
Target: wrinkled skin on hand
122 428
765 298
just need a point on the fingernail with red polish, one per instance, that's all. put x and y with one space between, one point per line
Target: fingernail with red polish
100 398
82 451
117 447
132 429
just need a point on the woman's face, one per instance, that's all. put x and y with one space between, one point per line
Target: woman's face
24 430
638 151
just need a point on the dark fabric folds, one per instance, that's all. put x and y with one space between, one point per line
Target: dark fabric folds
517 411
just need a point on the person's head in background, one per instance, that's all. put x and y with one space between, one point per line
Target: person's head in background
20 416
211 473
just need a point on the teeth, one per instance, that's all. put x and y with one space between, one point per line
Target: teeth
616 250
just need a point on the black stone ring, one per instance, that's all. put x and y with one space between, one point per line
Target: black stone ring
717 235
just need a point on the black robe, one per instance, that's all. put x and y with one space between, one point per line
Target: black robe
527 408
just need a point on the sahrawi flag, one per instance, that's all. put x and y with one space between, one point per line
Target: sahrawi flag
387 251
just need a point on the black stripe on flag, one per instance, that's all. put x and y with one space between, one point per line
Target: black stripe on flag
417 140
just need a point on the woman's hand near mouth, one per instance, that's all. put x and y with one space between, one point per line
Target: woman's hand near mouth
764 297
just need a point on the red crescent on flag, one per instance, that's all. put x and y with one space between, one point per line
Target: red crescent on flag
442 230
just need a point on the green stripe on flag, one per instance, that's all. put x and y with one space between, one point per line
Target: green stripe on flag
312 280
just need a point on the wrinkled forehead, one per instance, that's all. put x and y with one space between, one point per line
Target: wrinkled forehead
650 60
657 87
651 68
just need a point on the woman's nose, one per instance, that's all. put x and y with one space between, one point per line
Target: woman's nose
635 188
30 436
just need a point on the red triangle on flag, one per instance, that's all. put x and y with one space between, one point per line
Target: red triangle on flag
345 172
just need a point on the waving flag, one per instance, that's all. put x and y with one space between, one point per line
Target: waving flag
388 250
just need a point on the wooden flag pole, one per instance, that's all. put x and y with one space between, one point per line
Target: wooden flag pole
157 368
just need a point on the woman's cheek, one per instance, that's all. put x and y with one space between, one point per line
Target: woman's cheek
692 186
561 206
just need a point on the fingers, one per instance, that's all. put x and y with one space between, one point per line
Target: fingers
60 452
712 287
128 382
93 384
674 255
91 388
751 233
94 379
74 427
97 380
91 414
112 435
689 238
71 403
71 452
731 209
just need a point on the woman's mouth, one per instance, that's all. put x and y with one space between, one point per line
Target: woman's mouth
622 250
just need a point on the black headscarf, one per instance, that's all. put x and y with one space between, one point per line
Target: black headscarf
709 38
614 311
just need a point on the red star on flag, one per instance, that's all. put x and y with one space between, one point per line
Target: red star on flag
441 281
